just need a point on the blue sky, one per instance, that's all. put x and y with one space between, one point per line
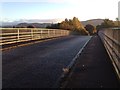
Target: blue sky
59 9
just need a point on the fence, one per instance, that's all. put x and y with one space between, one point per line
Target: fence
111 40
15 35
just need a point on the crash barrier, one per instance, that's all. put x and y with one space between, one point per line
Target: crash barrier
111 40
15 35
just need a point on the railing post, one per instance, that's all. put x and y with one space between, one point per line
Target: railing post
41 33
48 33
54 32
32 34
18 35
64 33
60 33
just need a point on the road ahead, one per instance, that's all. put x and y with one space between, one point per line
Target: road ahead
39 65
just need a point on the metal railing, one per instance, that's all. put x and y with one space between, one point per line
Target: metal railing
15 35
111 41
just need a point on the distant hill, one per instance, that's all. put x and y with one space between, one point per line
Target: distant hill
37 25
94 22
23 23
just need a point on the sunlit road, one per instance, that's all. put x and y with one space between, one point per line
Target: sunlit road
39 65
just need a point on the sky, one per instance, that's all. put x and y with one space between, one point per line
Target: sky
12 10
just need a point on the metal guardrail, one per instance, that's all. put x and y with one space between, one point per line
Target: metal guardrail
111 41
15 35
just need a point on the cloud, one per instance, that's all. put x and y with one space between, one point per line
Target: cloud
46 1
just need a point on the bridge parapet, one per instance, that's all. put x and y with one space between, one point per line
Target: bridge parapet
15 35
111 40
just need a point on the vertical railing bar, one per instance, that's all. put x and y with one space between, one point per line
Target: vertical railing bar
32 34
54 33
18 35
48 33
41 33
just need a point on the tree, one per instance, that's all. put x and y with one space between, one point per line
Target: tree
71 24
118 22
76 23
65 25
30 26
90 28
117 19
107 23
54 26
66 20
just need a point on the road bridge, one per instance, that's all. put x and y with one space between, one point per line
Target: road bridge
70 61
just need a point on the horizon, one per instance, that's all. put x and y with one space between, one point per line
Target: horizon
43 21
49 20
46 21
55 9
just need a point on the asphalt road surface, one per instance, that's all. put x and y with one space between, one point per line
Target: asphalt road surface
39 65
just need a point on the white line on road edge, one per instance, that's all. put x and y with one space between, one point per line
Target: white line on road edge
67 70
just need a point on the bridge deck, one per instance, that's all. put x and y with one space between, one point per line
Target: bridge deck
39 65
93 68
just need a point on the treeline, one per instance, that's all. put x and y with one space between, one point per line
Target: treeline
74 25
108 24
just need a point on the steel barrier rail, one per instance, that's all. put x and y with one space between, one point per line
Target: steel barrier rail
15 35
111 41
